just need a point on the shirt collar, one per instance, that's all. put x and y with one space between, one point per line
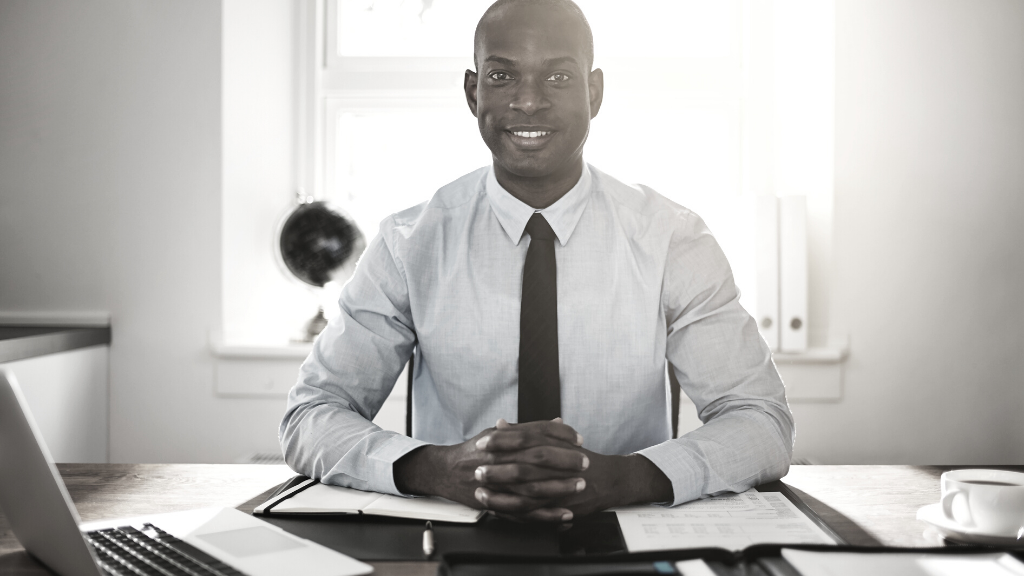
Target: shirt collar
562 216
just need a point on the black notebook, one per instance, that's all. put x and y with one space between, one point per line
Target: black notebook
310 497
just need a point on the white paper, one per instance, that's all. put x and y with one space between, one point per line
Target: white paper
858 563
695 567
733 523
423 509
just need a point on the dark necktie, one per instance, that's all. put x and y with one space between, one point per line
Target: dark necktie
539 389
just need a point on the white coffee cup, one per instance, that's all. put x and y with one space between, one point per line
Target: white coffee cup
990 501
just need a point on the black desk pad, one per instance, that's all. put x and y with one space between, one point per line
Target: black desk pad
758 560
369 538
381 538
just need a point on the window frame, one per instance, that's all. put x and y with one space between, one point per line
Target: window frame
328 83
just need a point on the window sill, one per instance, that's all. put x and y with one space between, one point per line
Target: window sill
827 355
815 375
256 370
292 351
252 370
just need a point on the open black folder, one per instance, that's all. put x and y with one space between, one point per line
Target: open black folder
310 497
385 538
759 560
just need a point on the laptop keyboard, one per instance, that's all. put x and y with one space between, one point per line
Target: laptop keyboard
152 552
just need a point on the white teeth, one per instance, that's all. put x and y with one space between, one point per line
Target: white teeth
531 134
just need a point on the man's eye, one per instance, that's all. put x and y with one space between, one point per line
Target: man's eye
558 77
500 76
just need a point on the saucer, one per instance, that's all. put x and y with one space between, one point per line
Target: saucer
952 530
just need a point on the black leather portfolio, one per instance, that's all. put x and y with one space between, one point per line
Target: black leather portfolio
382 538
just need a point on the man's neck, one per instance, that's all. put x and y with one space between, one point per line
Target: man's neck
539 193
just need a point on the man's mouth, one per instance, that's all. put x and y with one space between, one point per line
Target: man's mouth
530 137
534 134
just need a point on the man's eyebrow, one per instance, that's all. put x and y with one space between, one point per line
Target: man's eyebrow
561 60
502 61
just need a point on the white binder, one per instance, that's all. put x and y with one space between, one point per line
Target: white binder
767 255
793 273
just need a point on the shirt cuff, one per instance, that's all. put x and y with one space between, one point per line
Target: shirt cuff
385 457
677 464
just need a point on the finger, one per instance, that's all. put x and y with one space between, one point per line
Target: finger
519 473
566 432
545 457
549 515
552 515
521 506
524 436
548 489
506 502
504 516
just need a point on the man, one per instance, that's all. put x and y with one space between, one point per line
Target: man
543 292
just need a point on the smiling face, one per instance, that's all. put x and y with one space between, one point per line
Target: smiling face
534 97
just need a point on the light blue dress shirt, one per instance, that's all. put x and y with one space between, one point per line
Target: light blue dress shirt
641 280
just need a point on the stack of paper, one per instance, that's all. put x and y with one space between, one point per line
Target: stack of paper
733 522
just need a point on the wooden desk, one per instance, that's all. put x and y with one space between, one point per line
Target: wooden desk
864 504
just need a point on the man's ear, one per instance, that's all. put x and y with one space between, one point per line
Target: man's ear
469 85
596 84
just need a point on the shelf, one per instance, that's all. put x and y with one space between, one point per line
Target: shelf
31 334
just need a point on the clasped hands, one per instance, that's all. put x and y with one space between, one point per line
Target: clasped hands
536 471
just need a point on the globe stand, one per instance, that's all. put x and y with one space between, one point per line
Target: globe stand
314 326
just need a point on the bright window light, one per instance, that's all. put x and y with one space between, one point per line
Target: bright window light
687 109
390 159
682 151
444 28
404 28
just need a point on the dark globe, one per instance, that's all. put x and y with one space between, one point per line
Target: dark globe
317 240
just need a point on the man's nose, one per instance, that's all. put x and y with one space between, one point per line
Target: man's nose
529 98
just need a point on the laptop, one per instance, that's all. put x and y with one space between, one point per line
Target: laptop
207 542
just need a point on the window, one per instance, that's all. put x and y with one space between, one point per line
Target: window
714 103
710 102
389 99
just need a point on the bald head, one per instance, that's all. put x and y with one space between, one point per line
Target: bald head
559 7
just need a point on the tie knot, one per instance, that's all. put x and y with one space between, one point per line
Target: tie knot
538 228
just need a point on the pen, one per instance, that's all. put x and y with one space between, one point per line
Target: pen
428 540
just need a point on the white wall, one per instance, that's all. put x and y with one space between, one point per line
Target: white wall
259 182
110 189
111 186
67 393
928 271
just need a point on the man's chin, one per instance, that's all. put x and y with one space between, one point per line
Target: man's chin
533 169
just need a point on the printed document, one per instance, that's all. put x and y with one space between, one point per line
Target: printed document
733 522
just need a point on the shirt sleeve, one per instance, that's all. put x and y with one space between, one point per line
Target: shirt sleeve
726 369
327 432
